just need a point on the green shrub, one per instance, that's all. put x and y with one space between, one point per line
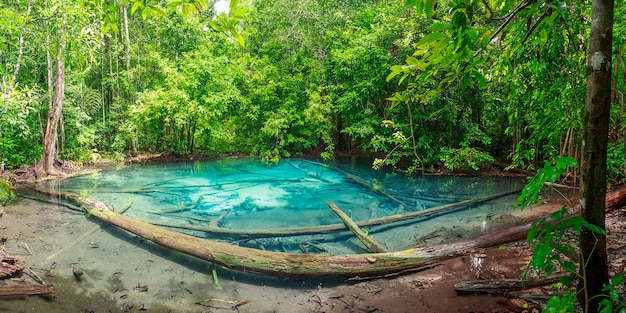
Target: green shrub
6 194
464 158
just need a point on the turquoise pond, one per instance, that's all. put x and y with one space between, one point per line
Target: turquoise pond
241 198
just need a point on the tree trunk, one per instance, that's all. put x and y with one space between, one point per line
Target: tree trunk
127 39
49 155
50 72
594 269
21 49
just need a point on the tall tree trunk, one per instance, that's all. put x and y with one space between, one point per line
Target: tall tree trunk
127 39
50 71
594 268
50 152
20 53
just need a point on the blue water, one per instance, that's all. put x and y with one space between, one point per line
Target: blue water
247 194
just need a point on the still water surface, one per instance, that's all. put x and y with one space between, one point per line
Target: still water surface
247 194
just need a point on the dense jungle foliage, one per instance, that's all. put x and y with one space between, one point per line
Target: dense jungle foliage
310 76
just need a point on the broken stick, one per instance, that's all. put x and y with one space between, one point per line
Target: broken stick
367 240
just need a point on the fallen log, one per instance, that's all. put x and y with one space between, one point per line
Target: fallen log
367 240
213 228
501 285
282 264
616 198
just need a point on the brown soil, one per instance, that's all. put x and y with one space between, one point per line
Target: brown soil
122 273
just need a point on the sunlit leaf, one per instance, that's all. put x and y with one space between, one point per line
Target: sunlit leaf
238 37
233 5
411 3
135 6
240 13
429 6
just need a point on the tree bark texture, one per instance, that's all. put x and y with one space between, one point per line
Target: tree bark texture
594 268
50 153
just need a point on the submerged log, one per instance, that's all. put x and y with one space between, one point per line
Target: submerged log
213 228
216 222
367 240
361 182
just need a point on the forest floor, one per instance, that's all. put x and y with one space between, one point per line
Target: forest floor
102 269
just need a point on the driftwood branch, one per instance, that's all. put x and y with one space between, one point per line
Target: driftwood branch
13 289
366 239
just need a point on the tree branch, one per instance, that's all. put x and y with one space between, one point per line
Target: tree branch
413 137
488 8
509 18
532 29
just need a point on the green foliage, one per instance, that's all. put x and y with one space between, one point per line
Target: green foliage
18 145
549 173
228 22
6 194
464 158
148 8
615 162
550 240
563 304
614 302
549 248
320 77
